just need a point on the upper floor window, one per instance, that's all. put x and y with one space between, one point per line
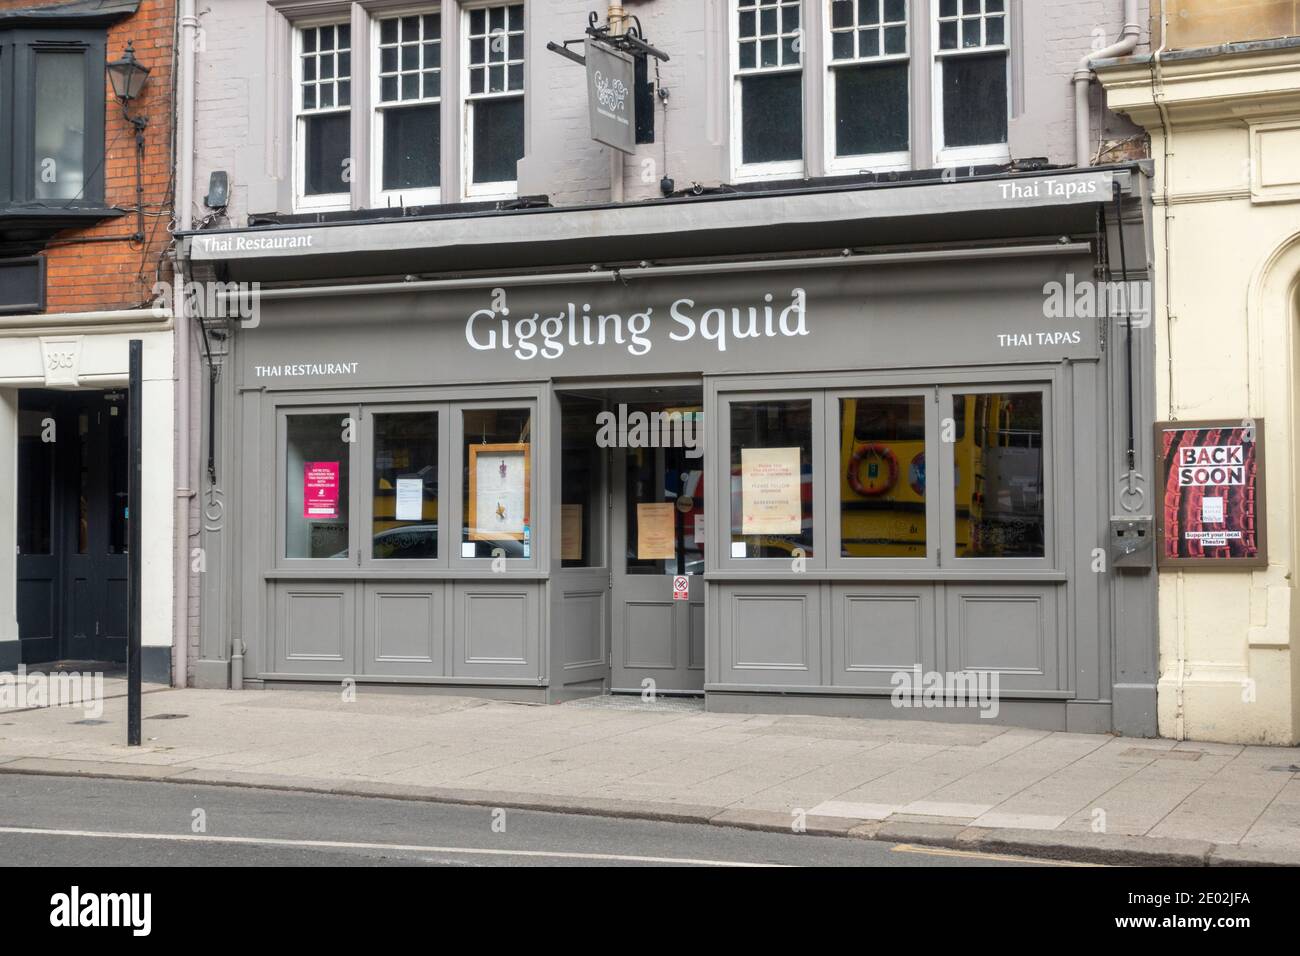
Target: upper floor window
868 93
767 94
971 84
323 99
52 117
494 98
407 133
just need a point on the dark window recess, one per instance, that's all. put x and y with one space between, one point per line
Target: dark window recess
35 482
22 285
644 100
771 118
975 100
498 139
871 110
327 147
412 147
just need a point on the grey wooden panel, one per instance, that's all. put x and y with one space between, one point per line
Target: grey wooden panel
314 629
404 629
582 622
771 634
649 638
497 630
695 654
1010 628
878 631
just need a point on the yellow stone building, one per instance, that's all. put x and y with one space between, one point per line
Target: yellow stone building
1220 97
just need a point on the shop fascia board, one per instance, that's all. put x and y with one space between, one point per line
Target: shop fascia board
1223 88
562 227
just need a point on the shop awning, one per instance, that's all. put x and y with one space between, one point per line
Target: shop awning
1012 206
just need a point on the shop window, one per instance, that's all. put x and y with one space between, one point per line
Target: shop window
868 85
494 98
771 479
971 80
316 492
768 88
497 462
52 123
408 107
1000 488
404 494
882 480
323 100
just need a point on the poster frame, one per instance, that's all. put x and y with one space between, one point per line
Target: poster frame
1261 500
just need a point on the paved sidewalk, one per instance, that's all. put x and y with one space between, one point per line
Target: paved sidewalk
1089 797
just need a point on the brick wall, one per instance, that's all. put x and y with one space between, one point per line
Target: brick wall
89 277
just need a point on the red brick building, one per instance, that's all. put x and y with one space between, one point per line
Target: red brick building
86 217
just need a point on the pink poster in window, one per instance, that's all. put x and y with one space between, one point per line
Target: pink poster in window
320 489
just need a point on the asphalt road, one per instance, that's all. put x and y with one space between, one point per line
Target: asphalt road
72 821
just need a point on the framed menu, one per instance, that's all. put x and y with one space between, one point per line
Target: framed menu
499 492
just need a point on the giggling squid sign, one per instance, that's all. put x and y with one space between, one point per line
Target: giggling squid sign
576 327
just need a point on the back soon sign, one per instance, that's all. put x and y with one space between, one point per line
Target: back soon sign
1212 479
1212 466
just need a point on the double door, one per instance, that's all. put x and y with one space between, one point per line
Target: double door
72 525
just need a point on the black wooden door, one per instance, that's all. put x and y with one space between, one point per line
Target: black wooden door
85 569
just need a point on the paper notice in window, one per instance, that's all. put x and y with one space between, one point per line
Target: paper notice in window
571 532
770 491
320 490
410 499
656 538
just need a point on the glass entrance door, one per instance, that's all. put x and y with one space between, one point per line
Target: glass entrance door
657 545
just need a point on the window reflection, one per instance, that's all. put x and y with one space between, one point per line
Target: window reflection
405 486
882 477
316 499
771 479
1000 488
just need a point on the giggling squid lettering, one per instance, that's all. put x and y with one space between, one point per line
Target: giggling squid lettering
576 327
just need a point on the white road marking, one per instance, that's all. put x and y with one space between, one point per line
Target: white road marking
402 847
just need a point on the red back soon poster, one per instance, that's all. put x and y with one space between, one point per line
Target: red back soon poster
1212 479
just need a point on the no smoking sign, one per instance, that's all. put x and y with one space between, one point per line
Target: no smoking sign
681 588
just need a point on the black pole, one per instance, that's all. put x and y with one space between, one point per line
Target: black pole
134 474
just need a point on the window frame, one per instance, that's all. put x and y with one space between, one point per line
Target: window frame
934 514
402 198
783 169
369 411
456 435
19 51
897 161
500 189
324 202
323 407
989 153
721 522
1051 498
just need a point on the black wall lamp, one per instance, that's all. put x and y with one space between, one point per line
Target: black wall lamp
128 77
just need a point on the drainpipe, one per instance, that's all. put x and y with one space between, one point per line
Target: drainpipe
1167 138
184 220
1083 77
617 20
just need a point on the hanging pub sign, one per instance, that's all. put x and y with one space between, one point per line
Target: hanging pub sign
1212 476
610 103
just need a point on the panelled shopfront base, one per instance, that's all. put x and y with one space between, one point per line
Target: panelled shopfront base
862 488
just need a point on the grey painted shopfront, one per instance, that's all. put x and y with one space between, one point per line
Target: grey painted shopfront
859 436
